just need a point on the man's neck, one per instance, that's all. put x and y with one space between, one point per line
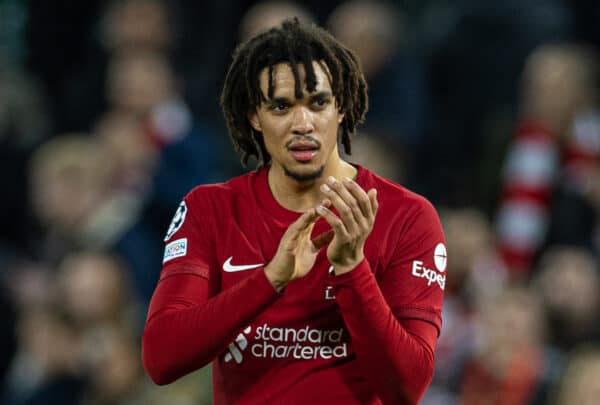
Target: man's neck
300 196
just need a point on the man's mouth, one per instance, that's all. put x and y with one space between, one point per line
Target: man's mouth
303 151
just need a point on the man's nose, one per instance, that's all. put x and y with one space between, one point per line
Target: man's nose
302 121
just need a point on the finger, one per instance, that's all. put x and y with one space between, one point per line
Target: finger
334 221
345 212
303 223
326 203
306 219
323 239
374 202
361 196
345 204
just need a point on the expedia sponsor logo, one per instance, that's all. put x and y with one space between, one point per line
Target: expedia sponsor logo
432 276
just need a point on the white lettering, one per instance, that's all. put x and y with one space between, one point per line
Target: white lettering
326 352
258 332
275 334
432 276
302 335
280 351
336 335
340 351
307 352
292 332
329 295
280 343
314 336
254 352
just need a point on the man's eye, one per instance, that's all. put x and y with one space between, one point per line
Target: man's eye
279 107
320 102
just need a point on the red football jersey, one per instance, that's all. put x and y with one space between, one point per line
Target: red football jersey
307 343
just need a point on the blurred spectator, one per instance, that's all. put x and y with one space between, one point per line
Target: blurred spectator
135 25
134 152
69 177
474 276
87 291
475 52
139 82
378 154
45 370
71 50
398 91
29 286
80 345
110 358
580 383
23 120
161 152
267 14
569 284
93 289
23 125
556 146
511 364
474 268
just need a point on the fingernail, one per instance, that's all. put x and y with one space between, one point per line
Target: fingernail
320 209
331 180
325 188
347 180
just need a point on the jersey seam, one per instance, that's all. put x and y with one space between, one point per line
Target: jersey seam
184 269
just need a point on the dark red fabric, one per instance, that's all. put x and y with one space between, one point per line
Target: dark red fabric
213 302
397 356
175 341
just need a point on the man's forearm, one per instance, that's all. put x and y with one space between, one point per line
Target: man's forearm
399 364
182 336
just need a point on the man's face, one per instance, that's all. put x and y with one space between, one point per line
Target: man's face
299 134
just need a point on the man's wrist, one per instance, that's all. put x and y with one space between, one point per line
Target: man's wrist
340 269
277 282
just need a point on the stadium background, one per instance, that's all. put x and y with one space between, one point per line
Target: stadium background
109 114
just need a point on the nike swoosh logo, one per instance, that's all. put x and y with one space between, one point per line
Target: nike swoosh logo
230 268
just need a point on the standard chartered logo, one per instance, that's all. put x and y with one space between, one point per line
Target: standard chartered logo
297 343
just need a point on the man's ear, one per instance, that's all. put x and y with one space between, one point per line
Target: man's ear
253 118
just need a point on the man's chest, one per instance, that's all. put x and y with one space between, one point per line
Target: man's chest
304 324
245 245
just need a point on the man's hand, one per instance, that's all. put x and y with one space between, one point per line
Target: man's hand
296 253
357 210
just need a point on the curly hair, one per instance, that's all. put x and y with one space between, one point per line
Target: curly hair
293 43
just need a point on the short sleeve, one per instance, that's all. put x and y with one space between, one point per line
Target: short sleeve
413 283
188 241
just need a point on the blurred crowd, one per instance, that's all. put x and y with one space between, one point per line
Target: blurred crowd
109 114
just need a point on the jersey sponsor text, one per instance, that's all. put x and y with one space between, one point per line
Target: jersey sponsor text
432 276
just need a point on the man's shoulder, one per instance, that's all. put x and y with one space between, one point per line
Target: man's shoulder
223 191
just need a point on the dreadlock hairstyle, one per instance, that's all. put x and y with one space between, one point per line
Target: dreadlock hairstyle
293 43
